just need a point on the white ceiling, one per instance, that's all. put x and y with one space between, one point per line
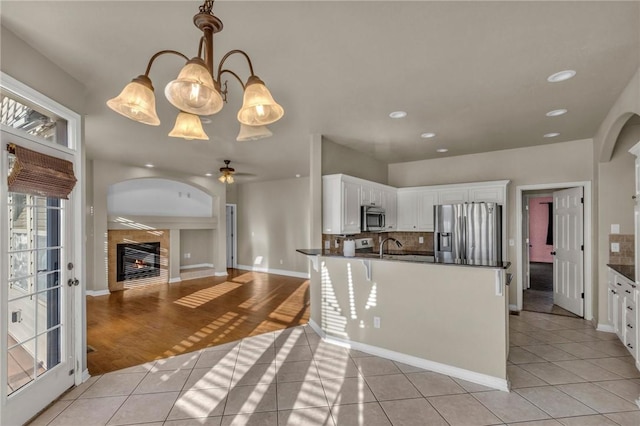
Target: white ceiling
472 72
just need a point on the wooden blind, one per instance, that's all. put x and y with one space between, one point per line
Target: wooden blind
39 174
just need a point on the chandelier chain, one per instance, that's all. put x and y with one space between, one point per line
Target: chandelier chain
207 7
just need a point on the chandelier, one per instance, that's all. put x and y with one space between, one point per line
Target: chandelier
198 91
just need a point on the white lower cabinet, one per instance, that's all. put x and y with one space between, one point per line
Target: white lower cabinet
622 300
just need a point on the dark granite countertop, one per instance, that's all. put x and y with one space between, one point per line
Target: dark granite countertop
627 271
396 256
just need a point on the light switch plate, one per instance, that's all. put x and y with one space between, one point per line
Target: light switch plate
615 228
512 242
327 244
615 247
420 240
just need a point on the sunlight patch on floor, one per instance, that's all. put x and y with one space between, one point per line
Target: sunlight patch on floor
200 297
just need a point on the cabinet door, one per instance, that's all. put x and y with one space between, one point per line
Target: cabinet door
351 208
407 211
375 196
365 195
390 205
612 306
489 194
426 201
453 196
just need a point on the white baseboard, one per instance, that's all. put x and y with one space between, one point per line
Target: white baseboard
85 375
449 370
199 265
274 271
221 274
174 280
96 293
513 308
606 328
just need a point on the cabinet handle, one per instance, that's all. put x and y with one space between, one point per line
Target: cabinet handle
633 197
630 308
613 291
619 284
627 291
629 345
553 253
629 326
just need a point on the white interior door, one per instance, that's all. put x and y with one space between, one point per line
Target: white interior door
568 240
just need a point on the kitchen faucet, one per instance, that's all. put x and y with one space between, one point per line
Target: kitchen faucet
398 243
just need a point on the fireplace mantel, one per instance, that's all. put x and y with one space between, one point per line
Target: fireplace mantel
124 222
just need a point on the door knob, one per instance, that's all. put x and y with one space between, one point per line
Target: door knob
73 281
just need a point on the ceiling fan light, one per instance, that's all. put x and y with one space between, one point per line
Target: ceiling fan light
253 133
258 106
194 91
137 101
188 126
223 178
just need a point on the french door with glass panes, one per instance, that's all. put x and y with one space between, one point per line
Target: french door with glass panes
40 303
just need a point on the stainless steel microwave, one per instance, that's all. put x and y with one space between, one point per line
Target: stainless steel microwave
372 219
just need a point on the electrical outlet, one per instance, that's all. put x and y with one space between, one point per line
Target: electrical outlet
337 244
187 255
327 244
281 262
376 322
615 247
420 240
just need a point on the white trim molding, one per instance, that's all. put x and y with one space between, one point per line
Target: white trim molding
96 293
449 370
274 271
221 274
175 280
199 265
605 328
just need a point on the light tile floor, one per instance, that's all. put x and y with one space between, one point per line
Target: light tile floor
562 372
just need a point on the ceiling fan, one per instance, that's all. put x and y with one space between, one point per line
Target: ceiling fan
226 173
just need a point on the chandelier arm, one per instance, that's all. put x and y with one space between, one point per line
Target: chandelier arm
233 74
202 41
232 52
160 53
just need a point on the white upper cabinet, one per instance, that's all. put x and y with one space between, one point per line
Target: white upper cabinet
390 206
453 196
370 195
407 209
340 205
415 209
488 194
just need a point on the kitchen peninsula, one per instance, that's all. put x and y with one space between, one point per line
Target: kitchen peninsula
447 318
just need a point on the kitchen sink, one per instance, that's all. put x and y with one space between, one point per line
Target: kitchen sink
409 257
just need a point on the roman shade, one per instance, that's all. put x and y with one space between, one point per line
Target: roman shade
39 174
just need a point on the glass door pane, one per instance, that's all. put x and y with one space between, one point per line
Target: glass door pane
34 305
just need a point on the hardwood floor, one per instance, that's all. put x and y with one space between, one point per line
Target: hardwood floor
130 327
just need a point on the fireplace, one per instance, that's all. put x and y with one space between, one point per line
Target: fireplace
136 261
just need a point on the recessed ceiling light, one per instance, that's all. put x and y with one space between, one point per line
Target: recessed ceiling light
551 135
398 114
149 165
208 174
561 76
427 135
298 175
442 150
556 112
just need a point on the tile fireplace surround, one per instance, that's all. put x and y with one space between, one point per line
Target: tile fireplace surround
116 237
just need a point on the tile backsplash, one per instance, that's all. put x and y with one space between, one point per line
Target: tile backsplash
410 241
626 255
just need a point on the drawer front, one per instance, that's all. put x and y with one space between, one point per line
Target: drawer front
625 287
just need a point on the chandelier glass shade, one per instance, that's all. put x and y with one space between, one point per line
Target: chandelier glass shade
258 107
137 101
193 91
198 91
253 133
188 126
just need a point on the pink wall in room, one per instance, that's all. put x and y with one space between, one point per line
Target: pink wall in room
538 222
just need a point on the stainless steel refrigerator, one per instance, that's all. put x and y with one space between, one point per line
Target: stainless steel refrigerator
469 233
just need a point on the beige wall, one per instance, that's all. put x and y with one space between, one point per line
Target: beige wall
616 184
340 159
106 173
22 62
273 221
552 163
197 243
